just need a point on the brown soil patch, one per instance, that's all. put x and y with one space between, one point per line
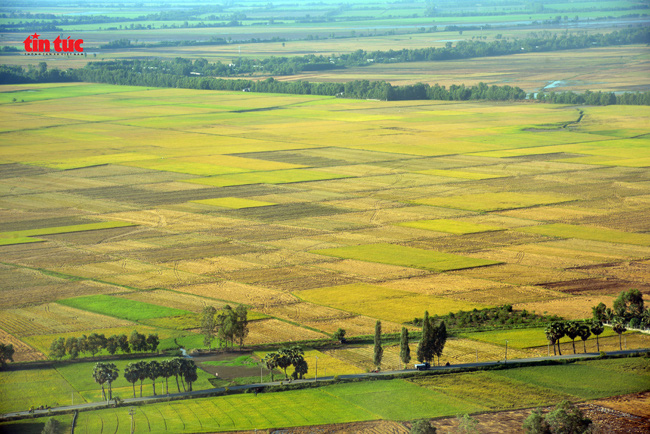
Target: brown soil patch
635 272
227 372
599 285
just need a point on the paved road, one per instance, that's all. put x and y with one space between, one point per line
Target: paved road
205 392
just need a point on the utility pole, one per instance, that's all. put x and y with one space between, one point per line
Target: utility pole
506 361
316 378
132 413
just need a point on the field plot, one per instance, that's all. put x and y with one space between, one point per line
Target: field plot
54 318
574 307
495 201
589 233
441 284
522 275
275 177
239 293
272 330
507 294
451 226
491 390
234 202
405 256
380 302
122 308
25 388
23 352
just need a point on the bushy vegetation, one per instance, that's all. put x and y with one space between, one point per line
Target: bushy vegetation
491 317
96 342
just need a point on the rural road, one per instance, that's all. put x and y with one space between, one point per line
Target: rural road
206 392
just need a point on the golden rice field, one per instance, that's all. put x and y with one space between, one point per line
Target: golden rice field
318 212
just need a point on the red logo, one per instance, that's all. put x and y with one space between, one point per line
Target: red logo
64 46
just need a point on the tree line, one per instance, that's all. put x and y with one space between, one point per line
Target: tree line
228 325
159 73
94 343
185 369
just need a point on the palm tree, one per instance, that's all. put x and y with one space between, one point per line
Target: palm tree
166 371
558 333
550 335
131 375
189 372
177 364
270 360
100 376
284 360
141 369
572 331
597 328
112 373
584 332
153 372
619 328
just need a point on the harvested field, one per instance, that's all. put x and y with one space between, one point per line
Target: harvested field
303 313
405 256
589 233
23 352
171 299
353 325
370 271
200 251
576 307
506 295
273 330
289 278
495 201
17 296
441 284
512 255
521 275
54 318
597 286
240 293
470 242
450 226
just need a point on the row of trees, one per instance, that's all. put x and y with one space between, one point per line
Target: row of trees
228 325
574 329
106 373
94 343
593 98
284 358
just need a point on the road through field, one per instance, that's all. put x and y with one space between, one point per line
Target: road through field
324 380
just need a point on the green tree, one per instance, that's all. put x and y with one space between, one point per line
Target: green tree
572 330
153 372
189 372
558 333
241 325
424 351
404 350
166 371
112 374
152 342
123 343
536 424
131 375
567 418
619 328
439 339
100 375
629 304
422 426
112 344
600 312
550 336
270 360
57 349
226 325
138 342
584 331
378 350
208 325
6 353
141 368
339 335
284 360
597 329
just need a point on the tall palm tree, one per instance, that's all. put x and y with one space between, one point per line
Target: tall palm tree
619 328
270 360
131 375
166 371
572 330
558 333
153 372
550 336
584 332
141 369
597 329
100 376
112 373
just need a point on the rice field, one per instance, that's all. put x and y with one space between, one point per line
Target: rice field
134 208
